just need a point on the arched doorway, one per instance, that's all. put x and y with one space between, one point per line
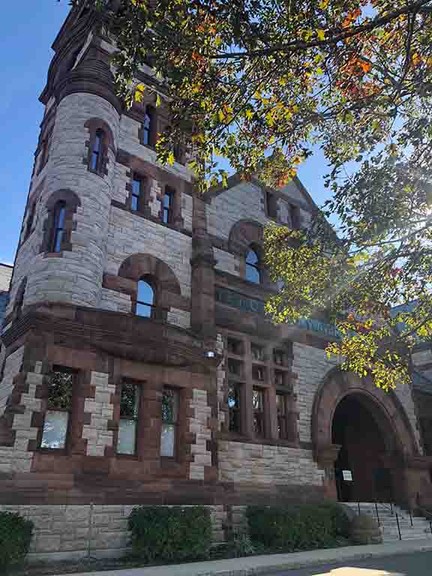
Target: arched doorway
363 467
358 428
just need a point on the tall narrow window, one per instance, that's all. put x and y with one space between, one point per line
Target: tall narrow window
234 406
137 194
282 416
170 403
59 404
168 205
19 298
58 230
148 126
295 216
145 299
45 146
271 201
29 223
258 411
129 408
96 151
257 352
253 272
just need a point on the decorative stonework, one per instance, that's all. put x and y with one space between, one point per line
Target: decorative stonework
100 410
199 426
18 457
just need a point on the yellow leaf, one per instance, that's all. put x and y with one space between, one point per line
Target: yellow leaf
139 92
171 158
221 115
249 113
321 34
158 100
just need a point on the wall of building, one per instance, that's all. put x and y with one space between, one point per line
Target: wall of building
261 465
5 278
71 532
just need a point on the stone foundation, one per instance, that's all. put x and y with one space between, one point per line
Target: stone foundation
67 532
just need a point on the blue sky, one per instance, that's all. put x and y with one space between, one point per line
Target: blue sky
27 30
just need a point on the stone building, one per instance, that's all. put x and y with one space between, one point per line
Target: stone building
138 366
5 278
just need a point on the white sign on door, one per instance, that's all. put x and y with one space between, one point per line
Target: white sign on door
347 475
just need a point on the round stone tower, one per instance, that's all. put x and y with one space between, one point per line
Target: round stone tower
61 253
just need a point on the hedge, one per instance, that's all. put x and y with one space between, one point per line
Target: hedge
300 527
170 533
15 538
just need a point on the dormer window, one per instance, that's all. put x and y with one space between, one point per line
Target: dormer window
145 299
253 271
271 202
295 216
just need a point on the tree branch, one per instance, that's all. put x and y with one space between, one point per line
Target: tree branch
337 36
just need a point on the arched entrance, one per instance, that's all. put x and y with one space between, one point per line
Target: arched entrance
363 467
360 431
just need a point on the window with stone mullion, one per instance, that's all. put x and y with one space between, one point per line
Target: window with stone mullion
169 428
129 413
59 406
258 412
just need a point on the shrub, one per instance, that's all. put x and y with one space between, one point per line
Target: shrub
15 537
301 527
170 533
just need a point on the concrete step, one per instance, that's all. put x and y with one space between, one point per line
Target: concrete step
419 530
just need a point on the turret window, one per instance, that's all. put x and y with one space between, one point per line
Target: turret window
145 299
99 143
58 226
29 223
97 151
253 271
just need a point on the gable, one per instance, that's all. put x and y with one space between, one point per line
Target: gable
247 200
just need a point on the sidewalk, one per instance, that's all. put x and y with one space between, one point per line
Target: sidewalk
274 562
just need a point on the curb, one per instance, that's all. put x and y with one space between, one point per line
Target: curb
293 565
270 564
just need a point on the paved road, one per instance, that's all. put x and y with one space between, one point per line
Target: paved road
419 564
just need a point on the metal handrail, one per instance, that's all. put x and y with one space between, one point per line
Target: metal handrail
398 517
425 513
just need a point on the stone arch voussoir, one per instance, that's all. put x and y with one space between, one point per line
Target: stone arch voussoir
385 407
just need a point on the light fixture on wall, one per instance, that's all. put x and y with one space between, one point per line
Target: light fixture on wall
210 354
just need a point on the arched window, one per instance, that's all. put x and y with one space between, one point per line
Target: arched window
145 299
58 229
148 126
97 151
253 272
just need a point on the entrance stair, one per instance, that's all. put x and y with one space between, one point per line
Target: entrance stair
394 522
